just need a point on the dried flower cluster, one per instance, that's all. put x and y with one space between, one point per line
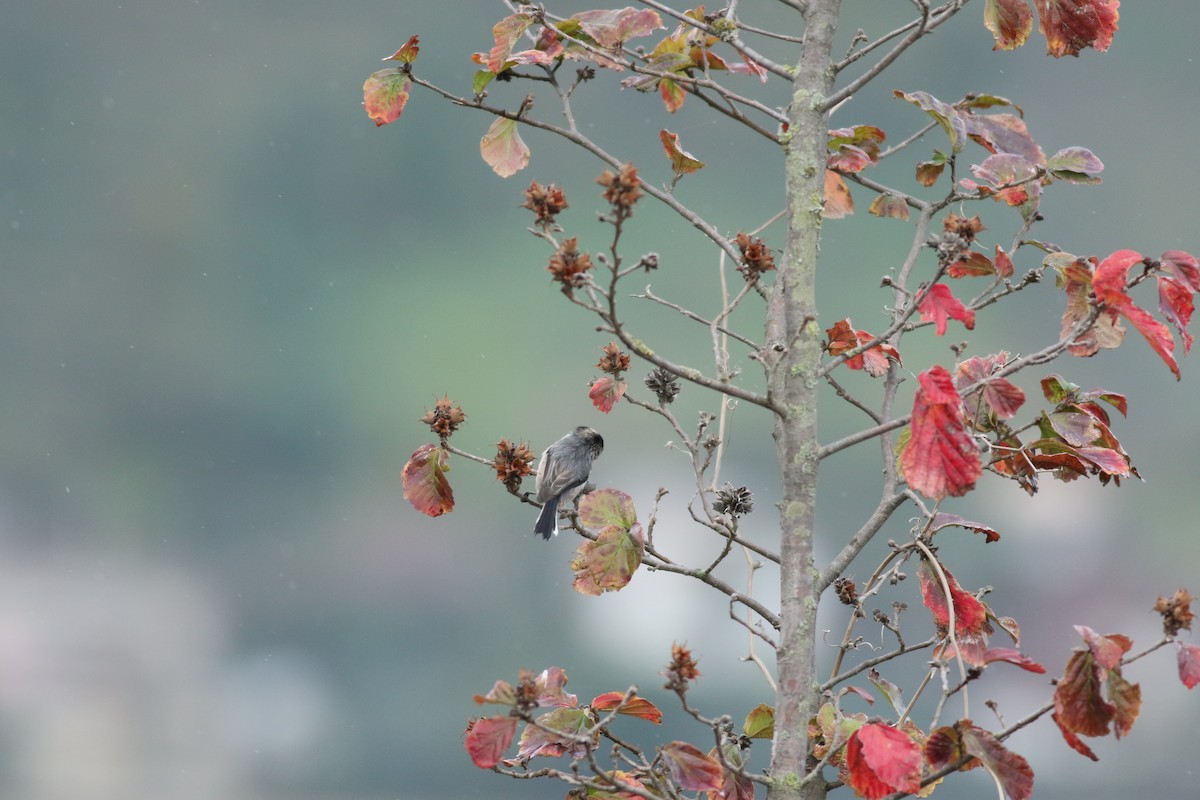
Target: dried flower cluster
664 384
954 243
445 418
734 501
621 189
569 267
681 669
847 591
545 201
1176 612
614 362
757 258
512 464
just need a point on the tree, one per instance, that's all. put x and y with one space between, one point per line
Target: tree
967 417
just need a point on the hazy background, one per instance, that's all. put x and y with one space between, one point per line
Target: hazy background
227 298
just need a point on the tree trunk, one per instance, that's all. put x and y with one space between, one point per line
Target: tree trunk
792 326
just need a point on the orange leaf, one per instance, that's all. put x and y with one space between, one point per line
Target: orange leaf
635 707
838 202
406 54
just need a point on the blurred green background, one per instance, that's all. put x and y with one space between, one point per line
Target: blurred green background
227 298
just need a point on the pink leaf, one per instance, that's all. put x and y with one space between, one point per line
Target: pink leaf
503 149
488 738
939 304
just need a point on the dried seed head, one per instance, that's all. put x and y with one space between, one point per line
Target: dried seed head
445 418
512 464
665 385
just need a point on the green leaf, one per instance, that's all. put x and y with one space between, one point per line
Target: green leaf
760 722
946 115
606 507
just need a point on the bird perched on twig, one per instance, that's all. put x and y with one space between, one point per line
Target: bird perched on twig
562 472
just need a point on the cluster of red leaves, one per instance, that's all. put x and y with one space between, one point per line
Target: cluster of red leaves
546 202
1069 26
569 267
879 760
1074 439
1107 283
607 391
844 337
757 258
573 730
1080 707
512 463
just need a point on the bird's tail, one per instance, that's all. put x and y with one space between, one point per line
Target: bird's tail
547 521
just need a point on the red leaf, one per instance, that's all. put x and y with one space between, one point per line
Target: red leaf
1109 286
1009 769
1004 263
1004 133
1013 657
939 303
875 360
691 769
682 162
1010 22
941 458
1176 304
1183 266
385 93
488 738
1002 397
1189 663
1072 25
636 706
970 615
503 149
882 760
1075 278
1078 704
971 265
425 483
1073 741
1108 650
1011 178
606 392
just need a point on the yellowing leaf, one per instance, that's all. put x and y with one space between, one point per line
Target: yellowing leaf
608 564
682 162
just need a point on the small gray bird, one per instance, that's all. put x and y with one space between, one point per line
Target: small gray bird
562 472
